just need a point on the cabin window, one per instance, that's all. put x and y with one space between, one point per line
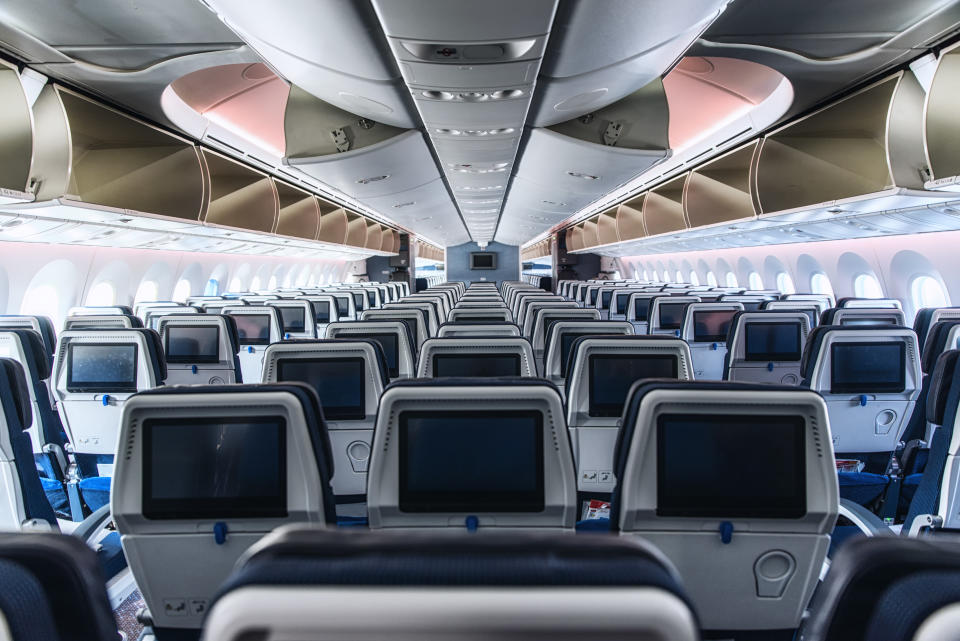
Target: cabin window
694 279
732 280
42 300
656 276
820 284
679 276
785 283
236 285
867 286
212 288
272 283
754 281
666 276
182 291
712 279
255 284
926 291
102 294
148 290
646 275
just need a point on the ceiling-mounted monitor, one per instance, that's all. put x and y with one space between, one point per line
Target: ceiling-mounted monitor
483 260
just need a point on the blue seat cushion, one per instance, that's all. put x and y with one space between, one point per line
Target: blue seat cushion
95 491
840 535
57 496
26 610
863 488
110 555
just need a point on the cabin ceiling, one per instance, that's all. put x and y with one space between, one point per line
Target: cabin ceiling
495 120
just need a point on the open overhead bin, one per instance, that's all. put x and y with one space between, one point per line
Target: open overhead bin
942 124
240 196
299 212
590 236
333 226
356 230
630 218
719 191
374 235
16 131
607 227
663 208
862 153
575 238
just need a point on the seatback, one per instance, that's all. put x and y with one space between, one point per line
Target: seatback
889 589
544 317
429 308
750 302
523 295
151 315
938 492
870 379
467 329
394 337
201 349
349 309
766 347
333 585
257 327
811 308
102 321
600 371
638 310
482 314
26 347
442 302
560 338
748 538
326 310
296 318
414 317
863 317
873 303
619 302
67 580
529 308
928 316
471 453
23 504
476 358
40 324
479 301
705 328
349 376
99 310
95 372
205 472
666 314
825 301
216 307
258 299
140 309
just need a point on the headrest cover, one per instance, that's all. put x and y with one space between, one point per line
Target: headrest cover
936 343
941 381
15 395
35 350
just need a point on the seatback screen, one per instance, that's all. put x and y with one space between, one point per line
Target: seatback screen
611 377
864 368
622 301
547 320
772 342
101 368
214 468
751 306
730 466
192 344
321 311
671 315
478 318
605 298
641 307
480 365
253 329
293 319
391 349
593 297
566 344
711 326
339 383
468 461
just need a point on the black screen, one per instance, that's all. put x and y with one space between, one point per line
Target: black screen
751 307
482 261
253 329
863 368
566 343
612 376
772 342
641 307
471 462
731 466
321 311
593 297
671 315
101 368
622 300
605 299
712 326
293 318
339 383
371 297
357 300
479 318
476 365
546 321
214 468
192 344
390 349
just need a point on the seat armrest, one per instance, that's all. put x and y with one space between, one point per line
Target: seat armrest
868 522
93 524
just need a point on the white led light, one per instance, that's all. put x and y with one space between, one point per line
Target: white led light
577 174
372 179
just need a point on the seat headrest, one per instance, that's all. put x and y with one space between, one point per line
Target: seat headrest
155 347
36 352
942 381
47 333
921 324
312 412
817 335
936 343
233 335
15 395
469 381
380 363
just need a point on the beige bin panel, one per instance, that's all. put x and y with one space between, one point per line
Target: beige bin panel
943 117
663 208
630 219
374 236
87 152
607 227
356 230
590 236
719 191
333 224
240 197
16 132
299 212
865 143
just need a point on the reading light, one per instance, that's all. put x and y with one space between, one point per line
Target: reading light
372 179
577 174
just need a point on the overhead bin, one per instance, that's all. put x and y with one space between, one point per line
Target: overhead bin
590 235
356 230
240 196
333 226
89 154
16 131
299 212
719 191
607 227
575 238
663 208
374 236
596 57
868 142
630 218
391 241
942 126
